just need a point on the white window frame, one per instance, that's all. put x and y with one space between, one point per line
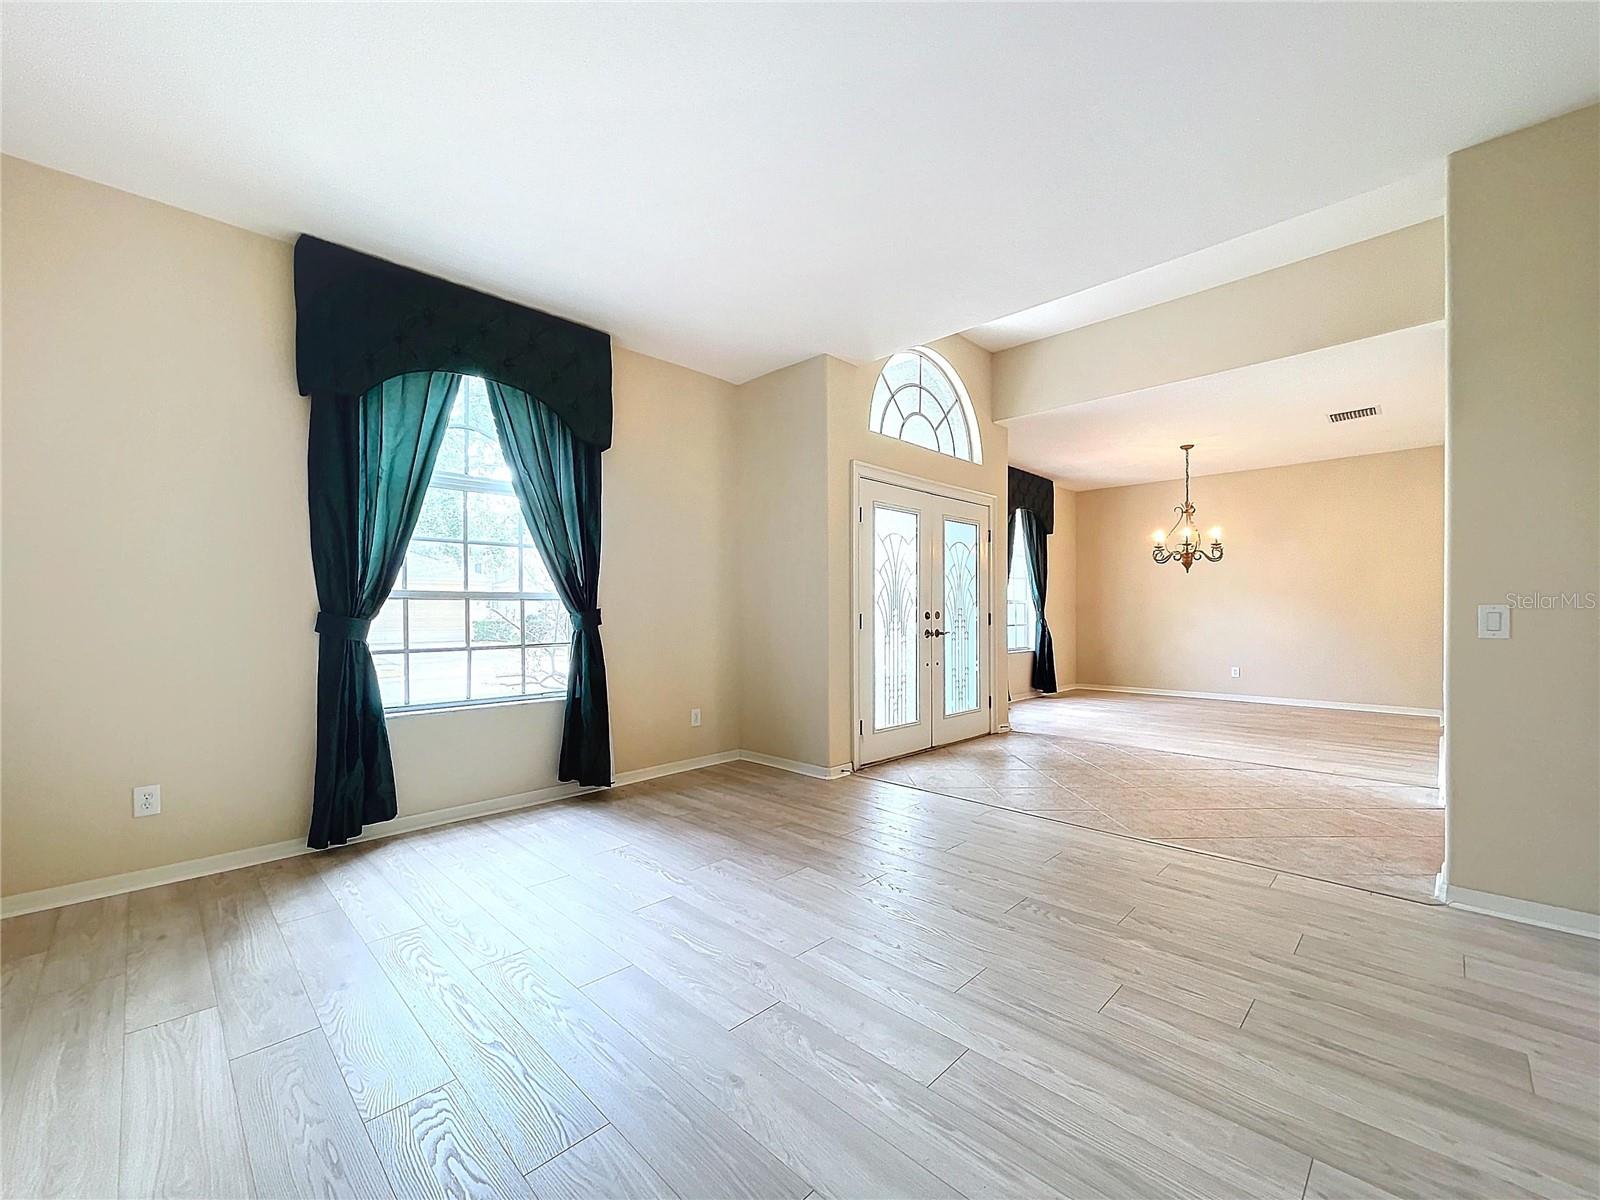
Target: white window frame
1020 577
405 652
878 409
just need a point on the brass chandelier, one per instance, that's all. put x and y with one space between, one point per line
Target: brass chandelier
1188 549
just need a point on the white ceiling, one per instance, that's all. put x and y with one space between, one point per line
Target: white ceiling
1266 415
736 187
1408 201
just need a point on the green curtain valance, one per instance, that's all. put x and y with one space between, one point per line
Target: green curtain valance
361 320
1031 493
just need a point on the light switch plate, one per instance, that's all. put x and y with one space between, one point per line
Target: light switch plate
1494 620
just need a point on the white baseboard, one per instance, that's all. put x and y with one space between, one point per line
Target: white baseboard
675 768
1526 912
194 868
799 768
1292 702
1033 695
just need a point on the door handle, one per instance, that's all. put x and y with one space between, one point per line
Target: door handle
928 633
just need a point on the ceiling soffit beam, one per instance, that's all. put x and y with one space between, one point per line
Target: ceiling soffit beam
1386 283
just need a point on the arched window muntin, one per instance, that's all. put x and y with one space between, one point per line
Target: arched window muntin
920 399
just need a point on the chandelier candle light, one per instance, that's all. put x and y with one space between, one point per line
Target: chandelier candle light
1189 548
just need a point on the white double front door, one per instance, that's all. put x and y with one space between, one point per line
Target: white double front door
923 620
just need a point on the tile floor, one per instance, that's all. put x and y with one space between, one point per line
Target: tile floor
1323 819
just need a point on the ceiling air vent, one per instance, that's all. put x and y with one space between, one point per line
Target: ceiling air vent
1353 414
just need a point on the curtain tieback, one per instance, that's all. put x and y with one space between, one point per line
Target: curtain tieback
352 629
588 618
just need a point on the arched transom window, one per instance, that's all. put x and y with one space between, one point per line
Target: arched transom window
920 399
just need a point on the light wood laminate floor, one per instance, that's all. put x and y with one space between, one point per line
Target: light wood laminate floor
1342 796
744 983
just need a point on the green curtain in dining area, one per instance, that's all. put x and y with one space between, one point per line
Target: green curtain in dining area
368 465
1031 500
1043 678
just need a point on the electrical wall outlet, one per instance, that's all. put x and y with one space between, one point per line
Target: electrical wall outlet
694 717
1234 671
147 800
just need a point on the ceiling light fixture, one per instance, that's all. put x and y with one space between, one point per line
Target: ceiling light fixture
1189 548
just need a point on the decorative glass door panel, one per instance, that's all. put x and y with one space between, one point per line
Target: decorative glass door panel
896 599
923 629
962 648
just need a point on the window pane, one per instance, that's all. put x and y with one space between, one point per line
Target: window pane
391 678
439 678
535 575
896 600
494 517
484 460
434 567
473 406
547 669
387 632
438 622
494 622
958 437
492 568
496 673
452 452
917 400
1021 618
880 404
941 397
902 369
547 621
962 653
919 432
471 647
441 514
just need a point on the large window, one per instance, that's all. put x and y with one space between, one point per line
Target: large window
1022 618
474 617
920 399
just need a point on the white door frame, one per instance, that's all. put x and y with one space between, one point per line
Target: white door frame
861 471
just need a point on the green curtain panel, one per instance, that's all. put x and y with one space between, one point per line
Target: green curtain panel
1044 652
368 466
557 480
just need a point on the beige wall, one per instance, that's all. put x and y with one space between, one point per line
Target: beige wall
157 585
1060 603
1523 438
782 563
1331 588
1061 600
799 430
666 584
1386 283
